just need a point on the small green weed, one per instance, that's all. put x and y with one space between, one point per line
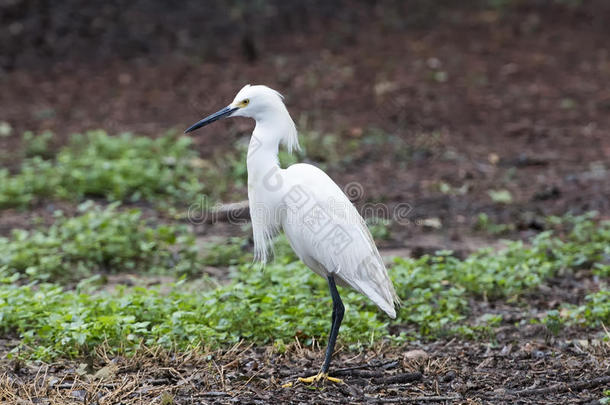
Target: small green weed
594 311
116 168
486 224
553 322
275 304
501 196
379 228
98 241
38 145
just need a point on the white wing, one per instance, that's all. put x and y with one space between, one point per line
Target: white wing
329 235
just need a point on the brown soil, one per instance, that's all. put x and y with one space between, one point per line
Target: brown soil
519 366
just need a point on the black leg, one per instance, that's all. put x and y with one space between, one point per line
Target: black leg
337 317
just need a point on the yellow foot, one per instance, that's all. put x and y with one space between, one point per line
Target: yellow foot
318 377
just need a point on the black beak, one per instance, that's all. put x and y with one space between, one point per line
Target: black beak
225 112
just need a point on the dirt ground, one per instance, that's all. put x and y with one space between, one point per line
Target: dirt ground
481 101
520 365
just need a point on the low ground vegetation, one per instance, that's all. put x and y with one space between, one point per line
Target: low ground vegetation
53 305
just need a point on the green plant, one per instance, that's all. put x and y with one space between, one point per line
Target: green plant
430 300
278 303
257 306
98 241
486 224
602 270
166 399
553 322
379 228
501 196
594 311
116 168
38 145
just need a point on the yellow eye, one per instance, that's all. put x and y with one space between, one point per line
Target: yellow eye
246 102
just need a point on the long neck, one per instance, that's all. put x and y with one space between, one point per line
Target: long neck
269 132
263 149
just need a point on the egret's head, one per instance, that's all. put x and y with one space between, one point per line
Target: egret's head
251 101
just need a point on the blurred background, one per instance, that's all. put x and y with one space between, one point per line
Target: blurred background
494 107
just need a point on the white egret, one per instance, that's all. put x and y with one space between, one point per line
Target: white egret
324 229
